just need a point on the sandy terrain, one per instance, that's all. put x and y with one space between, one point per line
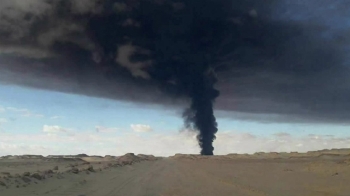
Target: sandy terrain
322 173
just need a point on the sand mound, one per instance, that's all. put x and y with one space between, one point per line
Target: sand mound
187 156
332 154
334 151
10 157
94 159
109 157
147 157
129 159
68 156
238 156
60 160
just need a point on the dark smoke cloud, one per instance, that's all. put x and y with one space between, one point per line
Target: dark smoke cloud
273 61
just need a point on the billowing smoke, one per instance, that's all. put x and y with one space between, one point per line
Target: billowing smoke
262 58
176 44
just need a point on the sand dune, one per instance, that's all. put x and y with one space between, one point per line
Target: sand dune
320 173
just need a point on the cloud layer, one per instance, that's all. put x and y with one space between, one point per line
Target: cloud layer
54 129
3 120
2 109
102 129
139 128
24 112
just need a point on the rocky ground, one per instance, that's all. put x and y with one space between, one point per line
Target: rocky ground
320 173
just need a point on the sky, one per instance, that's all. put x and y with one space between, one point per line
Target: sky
36 121
111 77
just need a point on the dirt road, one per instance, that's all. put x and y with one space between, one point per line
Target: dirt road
177 177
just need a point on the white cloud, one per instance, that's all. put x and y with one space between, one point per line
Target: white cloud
157 144
101 129
24 112
12 109
2 109
3 120
56 117
20 149
54 129
141 128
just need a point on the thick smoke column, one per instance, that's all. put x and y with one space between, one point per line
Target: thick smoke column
182 42
190 65
201 113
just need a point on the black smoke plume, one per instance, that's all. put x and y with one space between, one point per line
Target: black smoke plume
182 41
259 55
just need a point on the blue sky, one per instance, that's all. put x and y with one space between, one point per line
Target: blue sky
84 113
60 118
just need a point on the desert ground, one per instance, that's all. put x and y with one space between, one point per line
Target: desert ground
319 173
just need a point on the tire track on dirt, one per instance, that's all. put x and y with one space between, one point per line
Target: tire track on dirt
198 173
